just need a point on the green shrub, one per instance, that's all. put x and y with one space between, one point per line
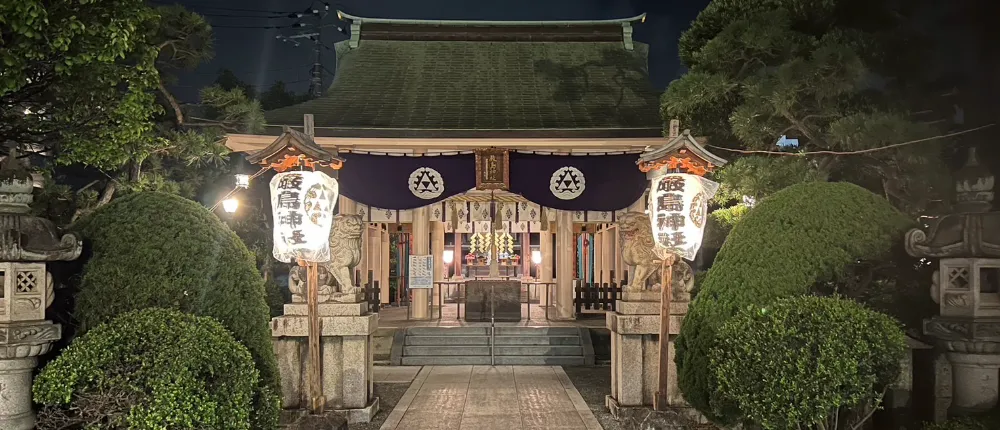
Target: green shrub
720 223
799 362
149 369
800 235
277 296
153 249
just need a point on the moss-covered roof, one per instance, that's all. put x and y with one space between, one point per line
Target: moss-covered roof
485 78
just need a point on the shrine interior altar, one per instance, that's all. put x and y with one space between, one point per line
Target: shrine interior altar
506 296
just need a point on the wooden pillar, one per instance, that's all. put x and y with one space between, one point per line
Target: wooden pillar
619 264
437 250
607 252
565 254
545 269
384 263
525 255
598 256
459 256
421 246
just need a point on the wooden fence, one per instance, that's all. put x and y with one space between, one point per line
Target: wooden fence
595 296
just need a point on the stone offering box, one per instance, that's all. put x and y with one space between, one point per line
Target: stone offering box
507 304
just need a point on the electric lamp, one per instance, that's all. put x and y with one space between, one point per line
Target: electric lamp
230 205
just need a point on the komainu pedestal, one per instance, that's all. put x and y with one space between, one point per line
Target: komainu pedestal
346 344
635 328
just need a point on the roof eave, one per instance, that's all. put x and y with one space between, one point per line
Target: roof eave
344 16
685 140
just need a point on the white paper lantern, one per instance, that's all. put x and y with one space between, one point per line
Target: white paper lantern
678 205
302 203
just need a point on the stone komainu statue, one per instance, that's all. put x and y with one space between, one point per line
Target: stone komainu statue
345 254
638 249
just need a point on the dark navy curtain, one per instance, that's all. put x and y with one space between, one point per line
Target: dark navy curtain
577 182
399 182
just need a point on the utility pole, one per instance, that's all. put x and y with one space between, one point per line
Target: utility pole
319 13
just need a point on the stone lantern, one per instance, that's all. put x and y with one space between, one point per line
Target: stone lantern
966 286
27 243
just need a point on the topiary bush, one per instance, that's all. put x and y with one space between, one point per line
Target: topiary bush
149 369
806 363
153 249
801 235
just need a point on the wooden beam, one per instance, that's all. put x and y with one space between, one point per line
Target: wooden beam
661 400
252 143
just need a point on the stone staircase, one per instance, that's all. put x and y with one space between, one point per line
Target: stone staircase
442 346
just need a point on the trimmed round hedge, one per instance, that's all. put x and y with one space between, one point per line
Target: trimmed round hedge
150 369
801 235
798 362
154 249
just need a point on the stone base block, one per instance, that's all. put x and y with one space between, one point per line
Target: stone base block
635 351
360 415
298 325
673 418
641 324
646 308
328 309
346 366
302 420
642 296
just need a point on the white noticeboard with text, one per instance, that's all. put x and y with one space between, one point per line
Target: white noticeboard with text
421 274
678 204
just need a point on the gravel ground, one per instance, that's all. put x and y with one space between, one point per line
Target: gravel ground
388 395
594 383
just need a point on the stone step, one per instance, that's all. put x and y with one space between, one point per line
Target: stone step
445 360
537 331
446 350
537 360
448 331
447 340
547 351
537 340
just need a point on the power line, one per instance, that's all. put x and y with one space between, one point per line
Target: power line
194 6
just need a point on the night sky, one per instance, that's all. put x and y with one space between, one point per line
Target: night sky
258 57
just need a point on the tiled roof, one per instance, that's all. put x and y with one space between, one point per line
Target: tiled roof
450 81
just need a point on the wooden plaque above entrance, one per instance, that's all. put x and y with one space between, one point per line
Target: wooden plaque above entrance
492 169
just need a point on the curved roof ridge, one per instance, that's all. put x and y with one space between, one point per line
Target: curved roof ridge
466 23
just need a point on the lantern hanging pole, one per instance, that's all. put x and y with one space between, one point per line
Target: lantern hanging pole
661 399
317 400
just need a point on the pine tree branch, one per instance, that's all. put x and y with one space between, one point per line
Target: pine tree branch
860 151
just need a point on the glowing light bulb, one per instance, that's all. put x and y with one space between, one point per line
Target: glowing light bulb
230 205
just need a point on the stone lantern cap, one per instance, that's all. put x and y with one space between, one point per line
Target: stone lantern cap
25 237
972 229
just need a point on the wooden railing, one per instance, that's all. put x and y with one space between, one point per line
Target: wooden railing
595 296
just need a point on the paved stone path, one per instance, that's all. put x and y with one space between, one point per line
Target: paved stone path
486 397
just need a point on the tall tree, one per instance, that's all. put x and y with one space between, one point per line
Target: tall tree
76 79
798 72
228 80
278 95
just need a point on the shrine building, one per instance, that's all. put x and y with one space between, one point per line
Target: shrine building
487 143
